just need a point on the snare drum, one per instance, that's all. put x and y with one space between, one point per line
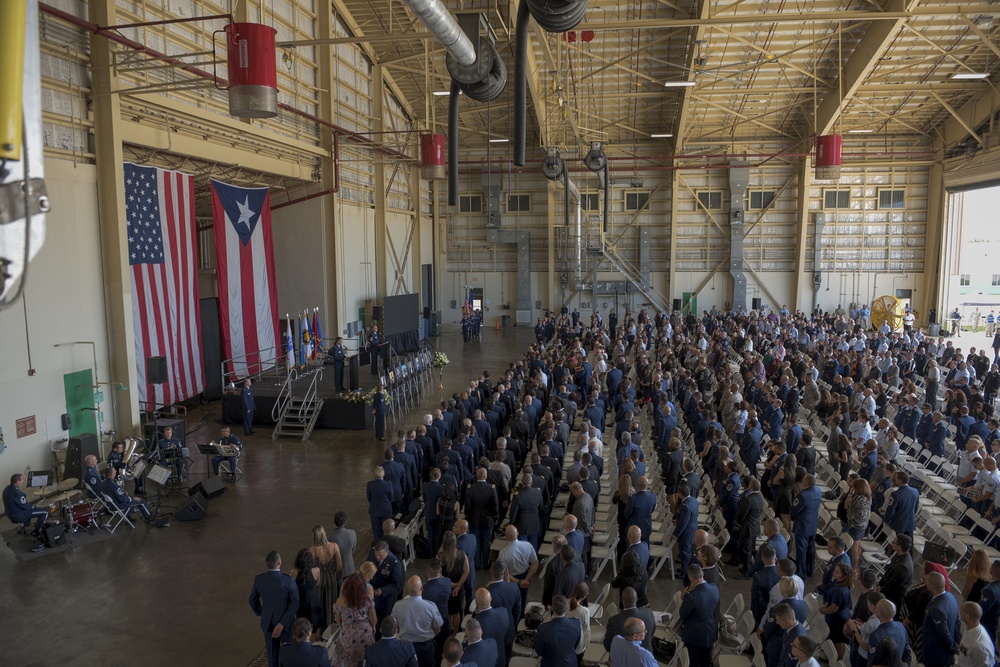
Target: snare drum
81 514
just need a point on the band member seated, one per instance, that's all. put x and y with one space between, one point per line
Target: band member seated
116 457
122 500
170 447
91 478
227 440
19 510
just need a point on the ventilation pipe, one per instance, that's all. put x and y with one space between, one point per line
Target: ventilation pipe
453 145
554 168
443 25
553 16
596 160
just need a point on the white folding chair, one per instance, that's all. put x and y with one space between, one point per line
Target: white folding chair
115 515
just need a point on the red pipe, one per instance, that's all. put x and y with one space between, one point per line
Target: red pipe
115 37
732 156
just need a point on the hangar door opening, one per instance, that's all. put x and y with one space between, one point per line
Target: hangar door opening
970 272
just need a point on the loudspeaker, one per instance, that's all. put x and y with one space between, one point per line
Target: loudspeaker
156 370
377 313
192 509
755 303
210 487
53 534
67 423
677 304
427 312
78 449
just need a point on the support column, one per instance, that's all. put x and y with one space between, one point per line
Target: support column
675 183
937 217
739 180
382 265
415 253
328 203
113 225
555 290
803 281
440 254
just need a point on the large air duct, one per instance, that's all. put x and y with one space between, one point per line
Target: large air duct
554 168
453 145
554 16
443 25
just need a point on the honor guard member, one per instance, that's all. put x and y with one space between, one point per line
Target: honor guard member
374 341
481 509
91 478
249 405
388 579
19 510
339 356
729 496
227 439
275 599
466 327
805 523
378 412
170 446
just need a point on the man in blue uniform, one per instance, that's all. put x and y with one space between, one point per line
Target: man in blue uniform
685 524
390 650
388 580
378 412
942 632
91 478
374 343
110 488
699 627
301 652
901 513
479 651
19 510
805 522
496 625
275 599
249 405
339 356
729 496
170 447
557 638
228 440
640 507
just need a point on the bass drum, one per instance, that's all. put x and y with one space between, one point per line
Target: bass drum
80 515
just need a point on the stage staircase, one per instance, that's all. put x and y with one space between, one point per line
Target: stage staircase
296 417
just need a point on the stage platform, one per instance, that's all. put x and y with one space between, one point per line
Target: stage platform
337 413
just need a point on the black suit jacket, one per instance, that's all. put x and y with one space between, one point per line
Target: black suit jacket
616 626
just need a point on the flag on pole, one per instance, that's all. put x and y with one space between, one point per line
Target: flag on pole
302 347
317 336
248 293
306 337
159 209
289 346
468 299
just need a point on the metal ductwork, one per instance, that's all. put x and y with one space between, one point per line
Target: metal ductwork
554 168
739 180
596 160
483 79
443 25
553 16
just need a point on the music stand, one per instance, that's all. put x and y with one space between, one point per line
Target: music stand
208 450
159 474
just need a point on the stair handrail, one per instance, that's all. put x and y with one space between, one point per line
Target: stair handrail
284 395
634 276
310 397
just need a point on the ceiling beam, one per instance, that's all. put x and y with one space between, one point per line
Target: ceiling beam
972 114
697 36
958 118
935 12
867 54
537 91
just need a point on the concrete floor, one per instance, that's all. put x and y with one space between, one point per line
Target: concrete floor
179 595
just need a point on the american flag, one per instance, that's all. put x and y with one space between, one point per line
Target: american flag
468 299
159 206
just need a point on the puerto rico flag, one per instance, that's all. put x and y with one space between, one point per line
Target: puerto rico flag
248 294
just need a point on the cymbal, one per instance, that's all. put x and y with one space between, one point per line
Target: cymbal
46 491
63 497
68 483
32 496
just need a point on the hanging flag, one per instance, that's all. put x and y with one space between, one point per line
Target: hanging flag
289 346
317 336
468 299
307 345
159 209
248 293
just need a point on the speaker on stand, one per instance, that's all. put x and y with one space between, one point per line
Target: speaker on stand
677 304
77 450
156 370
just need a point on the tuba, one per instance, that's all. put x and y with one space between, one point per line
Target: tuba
131 458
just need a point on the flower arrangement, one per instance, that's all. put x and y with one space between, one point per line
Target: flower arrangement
440 360
354 397
369 396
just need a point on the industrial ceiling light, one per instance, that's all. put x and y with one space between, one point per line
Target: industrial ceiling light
442 93
660 136
861 131
680 84
970 76
499 141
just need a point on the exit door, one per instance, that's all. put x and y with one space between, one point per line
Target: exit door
689 303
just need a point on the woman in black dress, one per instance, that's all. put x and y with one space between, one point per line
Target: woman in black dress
455 566
306 576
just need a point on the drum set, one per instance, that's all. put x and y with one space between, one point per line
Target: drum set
66 504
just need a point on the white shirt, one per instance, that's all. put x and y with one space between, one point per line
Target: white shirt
976 649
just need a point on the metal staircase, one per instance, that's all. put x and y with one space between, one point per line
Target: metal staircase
297 416
631 273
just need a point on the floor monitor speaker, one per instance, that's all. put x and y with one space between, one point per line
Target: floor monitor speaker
210 487
192 509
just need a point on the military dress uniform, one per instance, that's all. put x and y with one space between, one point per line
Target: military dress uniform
233 441
481 510
339 356
387 582
374 341
171 447
92 481
249 405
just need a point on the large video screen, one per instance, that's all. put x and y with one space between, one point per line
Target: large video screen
401 314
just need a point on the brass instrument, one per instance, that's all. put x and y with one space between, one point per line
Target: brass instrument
132 462
225 450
